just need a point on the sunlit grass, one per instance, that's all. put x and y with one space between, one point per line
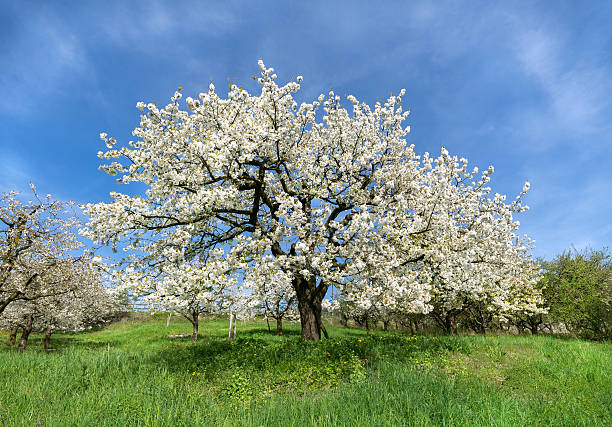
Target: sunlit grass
132 374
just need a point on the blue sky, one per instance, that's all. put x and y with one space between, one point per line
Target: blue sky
525 86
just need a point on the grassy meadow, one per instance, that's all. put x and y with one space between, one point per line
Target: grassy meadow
131 373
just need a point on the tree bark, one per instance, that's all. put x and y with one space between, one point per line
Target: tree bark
344 320
534 323
385 325
231 335
27 329
308 320
47 338
324 331
196 324
13 337
309 305
234 329
450 326
413 327
279 326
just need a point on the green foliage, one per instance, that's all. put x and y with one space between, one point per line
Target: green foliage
578 291
133 374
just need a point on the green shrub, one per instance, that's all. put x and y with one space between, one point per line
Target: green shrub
578 291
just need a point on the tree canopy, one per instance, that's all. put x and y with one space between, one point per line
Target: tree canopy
260 190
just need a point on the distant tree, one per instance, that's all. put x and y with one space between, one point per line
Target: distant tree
85 304
577 287
37 243
189 288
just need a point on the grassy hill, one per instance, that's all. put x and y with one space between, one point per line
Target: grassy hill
131 373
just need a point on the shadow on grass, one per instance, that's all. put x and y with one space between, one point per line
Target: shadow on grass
263 353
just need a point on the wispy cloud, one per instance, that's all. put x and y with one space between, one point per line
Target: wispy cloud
47 49
523 86
15 173
40 58
577 87
144 26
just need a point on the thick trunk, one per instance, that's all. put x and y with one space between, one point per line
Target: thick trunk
367 325
308 320
450 326
47 338
13 336
309 305
279 326
27 329
385 325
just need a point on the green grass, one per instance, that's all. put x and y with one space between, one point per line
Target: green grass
132 374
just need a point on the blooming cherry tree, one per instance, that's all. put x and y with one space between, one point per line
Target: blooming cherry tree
37 242
189 288
308 202
479 261
85 303
273 291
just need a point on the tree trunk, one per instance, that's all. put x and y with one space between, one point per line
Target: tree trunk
344 320
367 325
229 333
324 331
268 322
385 325
534 323
13 336
450 326
414 327
309 297
308 320
279 326
27 329
196 324
234 329
47 338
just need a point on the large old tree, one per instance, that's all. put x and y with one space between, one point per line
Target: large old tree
310 194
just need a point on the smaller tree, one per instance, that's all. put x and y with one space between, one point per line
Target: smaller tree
85 304
577 287
37 241
272 288
189 288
